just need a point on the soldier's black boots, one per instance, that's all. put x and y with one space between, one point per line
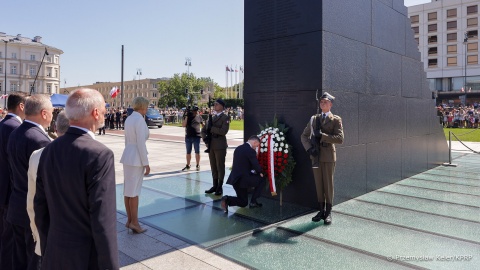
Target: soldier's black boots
211 190
328 217
320 214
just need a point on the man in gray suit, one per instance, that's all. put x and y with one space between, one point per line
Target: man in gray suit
74 205
25 139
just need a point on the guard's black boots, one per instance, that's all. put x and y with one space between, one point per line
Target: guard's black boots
320 214
328 217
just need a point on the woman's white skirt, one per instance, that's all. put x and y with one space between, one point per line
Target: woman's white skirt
132 180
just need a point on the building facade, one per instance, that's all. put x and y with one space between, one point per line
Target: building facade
447 36
136 88
21 60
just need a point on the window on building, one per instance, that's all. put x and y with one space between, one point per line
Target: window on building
414 19
451 61
451 49
32 88
55 73
452 37
432 39
472 47
472 9
417 40
472 22
451 13
472 34
432 16
13 86
451 25
432 28
32 70
14 55
472 59
415 29
1 68
432 51
56 88
49 88
432 62
1 55
32 57
49 59
13 69
1 85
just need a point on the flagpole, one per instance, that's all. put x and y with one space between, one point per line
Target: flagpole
121 87
231 81
226 79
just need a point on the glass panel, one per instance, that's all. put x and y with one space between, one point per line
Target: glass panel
432 16
389 241
452 13
278 249
202 225
412 219
414 19
452 49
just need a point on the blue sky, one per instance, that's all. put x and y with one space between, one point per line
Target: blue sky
157 35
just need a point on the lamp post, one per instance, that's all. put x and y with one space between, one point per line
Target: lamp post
139 73
188 63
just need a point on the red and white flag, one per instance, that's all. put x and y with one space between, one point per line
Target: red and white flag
4 96
114 92
462 90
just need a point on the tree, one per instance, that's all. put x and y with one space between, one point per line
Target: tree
173 92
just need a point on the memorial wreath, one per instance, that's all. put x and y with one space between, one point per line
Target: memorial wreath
275 156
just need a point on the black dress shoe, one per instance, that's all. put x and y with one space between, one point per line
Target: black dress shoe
211 190
255 204
318 217
224 204
328 219
219 191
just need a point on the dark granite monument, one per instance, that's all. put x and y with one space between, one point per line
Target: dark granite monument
361 51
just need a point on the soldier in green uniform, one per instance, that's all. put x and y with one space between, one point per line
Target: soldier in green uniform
323 131
215 130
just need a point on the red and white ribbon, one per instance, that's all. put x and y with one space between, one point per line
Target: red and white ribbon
270 165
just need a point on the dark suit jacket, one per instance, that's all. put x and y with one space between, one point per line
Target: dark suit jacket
23 141
244 160
75 205
8 124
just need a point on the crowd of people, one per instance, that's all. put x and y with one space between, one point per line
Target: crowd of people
459 117
172 115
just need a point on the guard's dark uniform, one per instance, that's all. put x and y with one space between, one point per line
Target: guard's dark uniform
329 131
218 150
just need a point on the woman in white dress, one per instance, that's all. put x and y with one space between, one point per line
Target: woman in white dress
135 160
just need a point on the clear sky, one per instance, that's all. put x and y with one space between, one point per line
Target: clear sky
157 35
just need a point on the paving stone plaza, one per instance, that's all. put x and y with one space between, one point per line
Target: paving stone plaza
428 221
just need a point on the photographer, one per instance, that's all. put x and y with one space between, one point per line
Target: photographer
191 122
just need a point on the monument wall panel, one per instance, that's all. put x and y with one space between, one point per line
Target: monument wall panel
344 64
280 18
351 19
381 118
350 173
383 72
417 123
384 163
387 27
412 85
285 64
414 155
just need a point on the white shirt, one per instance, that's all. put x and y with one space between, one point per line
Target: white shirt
89 132
16 117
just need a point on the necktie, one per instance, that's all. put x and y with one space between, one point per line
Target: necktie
323 116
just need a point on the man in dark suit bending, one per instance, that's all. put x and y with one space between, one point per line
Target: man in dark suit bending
14 118
25 139
74 204
246 173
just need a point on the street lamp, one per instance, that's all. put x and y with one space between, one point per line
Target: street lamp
139 73
188 63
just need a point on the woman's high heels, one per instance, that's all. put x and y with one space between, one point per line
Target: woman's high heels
136 230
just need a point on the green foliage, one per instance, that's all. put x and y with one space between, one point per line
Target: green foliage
173 91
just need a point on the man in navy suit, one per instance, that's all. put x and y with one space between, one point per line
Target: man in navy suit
246 173
25 139
14 118
75 204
